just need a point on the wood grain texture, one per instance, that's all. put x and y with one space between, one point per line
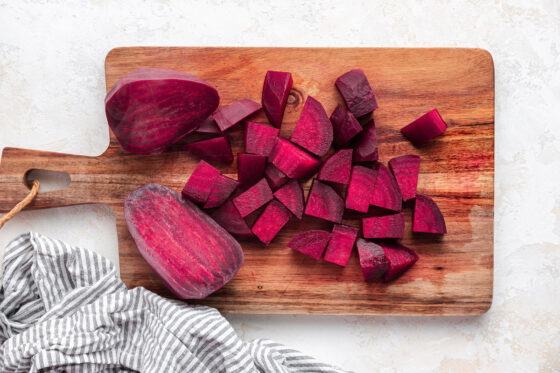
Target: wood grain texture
454 275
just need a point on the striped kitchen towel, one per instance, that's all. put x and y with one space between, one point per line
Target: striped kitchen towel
64 309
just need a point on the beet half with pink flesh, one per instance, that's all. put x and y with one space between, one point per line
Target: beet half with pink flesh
209 126
425 128
427 216
311 243
337 167
293 161
373 261
250 169
406 169
193 255
221 190
253 198
313 131
271 221
275 177
388 226
399 257
276 89
217 149
357 93
230 219
230 115
150 109
324 202
345 126
365 144
362 183
386 193
259 138
341 244
291 196
200 183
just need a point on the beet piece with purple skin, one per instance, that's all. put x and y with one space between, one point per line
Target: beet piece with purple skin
250 169
253 198
427 216
259 138
291 196
425 128
232 114
365 144
271 221
406 169
150 109
388 226
276 89
311 243
314 131
324 202
200 183
221 190
217 149
230 219
400 259
372 260
386 193
293 161
275 177
357 93
362 183
345 126
337 167
209 126
341 244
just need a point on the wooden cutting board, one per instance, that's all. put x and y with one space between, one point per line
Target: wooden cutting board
454 274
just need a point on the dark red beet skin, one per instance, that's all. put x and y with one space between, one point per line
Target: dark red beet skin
324 202
192 254
386 193
425 128
270 222
230 219
406 169
337 167
365 144
311 243
372 260
291 196
388 226
341 244
357 93
200 183
313 130
362 183
427 216
150 109
276 89
209 126
253 198
275 177
295 162
232 114
222 188
400 259
345 126
260 138
217 149
250 169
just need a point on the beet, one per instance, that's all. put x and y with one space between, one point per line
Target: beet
259 138
425 128
356 91
253 198
311 243
345 126
276 89
200 183
406 169
221 190
324 202
388 226
295 162
291 196
362 183
150 109
230 219
337 168
275 177
372 260
193 255
314 131
232 114
217 149
341 244
250 169
208 126
400 259
365 144
270 222
427 216
386 193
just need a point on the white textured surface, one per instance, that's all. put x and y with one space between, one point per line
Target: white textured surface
51 98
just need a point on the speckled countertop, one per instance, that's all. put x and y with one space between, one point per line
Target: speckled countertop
51 94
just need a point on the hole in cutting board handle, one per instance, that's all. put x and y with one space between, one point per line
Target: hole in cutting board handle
50 180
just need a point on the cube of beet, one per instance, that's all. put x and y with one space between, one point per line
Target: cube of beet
275 177
388 226
357 93
230 219
425 128
295 162
250 169
345 126
373 261
200 183
260 138
314 131
406 169
221 190
270 222
337 167
362 183
400 259
276 89
232 114
253 198
386 193
324 202
217 149
427 216
208 126
341 244
311 243
365 144
291 196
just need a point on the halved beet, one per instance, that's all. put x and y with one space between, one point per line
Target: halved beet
372 260
337 168
250 169
276 89
362 183
406 169
388 226
232 114
221 190
427 216
365 144
345 126
193 255
230 219
150 109
200 183
314 131
270 222
208 126
386 193
275 177
217 149
295 162
356 91
253 198
425 128
291 196
260 138
311 243
341 244
324 202
400 259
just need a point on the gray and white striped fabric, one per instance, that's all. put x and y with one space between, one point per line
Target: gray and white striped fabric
64 309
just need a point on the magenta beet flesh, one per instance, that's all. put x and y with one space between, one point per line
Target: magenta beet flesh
337 167
232 114
253 198
341 244
372 260
293 161
209 126
356 91
250 169
217 149
191 253
311 243
386 193
425 128
260 138
221 190
200 183
275 177
406 169
427 216
291 196
270 222
276 89
365 144
314 131
324 202
362 183
400 259
388 226
230 219
345 126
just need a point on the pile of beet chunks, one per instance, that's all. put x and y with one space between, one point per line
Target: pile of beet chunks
270 171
